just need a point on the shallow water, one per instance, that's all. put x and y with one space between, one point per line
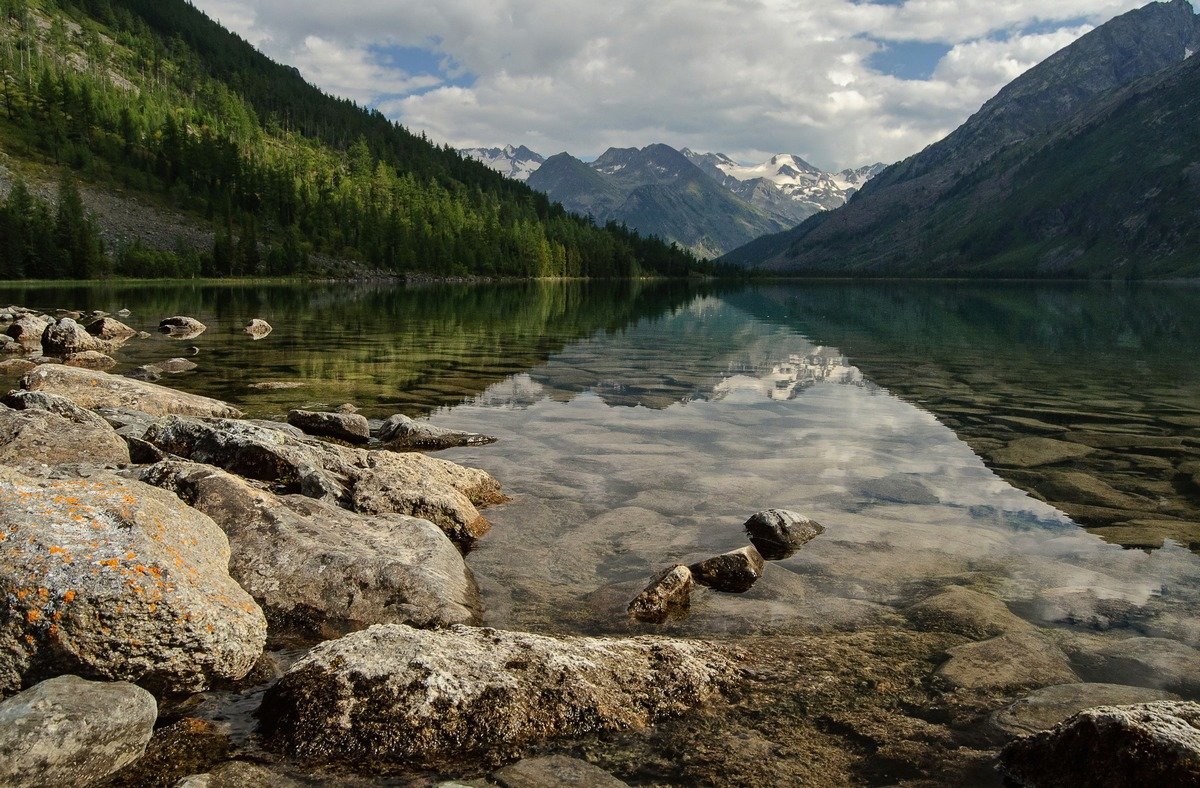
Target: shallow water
640 424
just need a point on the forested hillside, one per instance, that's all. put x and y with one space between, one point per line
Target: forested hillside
153 97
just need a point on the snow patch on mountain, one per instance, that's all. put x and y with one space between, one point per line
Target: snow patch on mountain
516 162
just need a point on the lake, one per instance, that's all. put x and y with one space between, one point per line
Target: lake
947 435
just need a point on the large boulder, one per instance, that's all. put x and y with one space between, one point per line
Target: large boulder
370 482
1145 662
92 390
181 327
15 367
395 693
28 329
110 329
400 433
90 359
319 571
349 427
1145 744
69 731
114 579
56 433
67 337
779 533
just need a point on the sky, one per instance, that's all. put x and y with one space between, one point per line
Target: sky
839 82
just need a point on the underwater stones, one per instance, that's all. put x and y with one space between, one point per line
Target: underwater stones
896 488
554 771
779 533
174 366
1034 452
298 557
1146 744
69 731
1016 661
91 390
966 612
1145 662
733 572
349 427
668 593
111 578
181 327
398 694
1077 487
257 328
400 433
1044 708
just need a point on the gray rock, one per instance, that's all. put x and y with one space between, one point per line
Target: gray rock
173 366
1149 744
1044 708
10 346
90 359
111 578
256 329
369 482
400 433
92 390
68 731
1012 662
349 427
182 327
28 329
966 612
668 594
778 533
112 330
1144 662
67 337
238 774
395 693
56 435
148 373
733 572
123 313
319 571
554 771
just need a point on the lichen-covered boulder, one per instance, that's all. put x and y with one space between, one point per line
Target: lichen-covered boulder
28 329
319 571
349 427
91 390
90 359
114 579
15 367
370 482
395 693
1146 744
69 731
56 433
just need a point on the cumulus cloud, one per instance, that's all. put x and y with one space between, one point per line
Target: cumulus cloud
745 77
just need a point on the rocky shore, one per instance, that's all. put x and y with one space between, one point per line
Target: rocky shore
165 560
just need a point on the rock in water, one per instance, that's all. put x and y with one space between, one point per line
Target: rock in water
1016 661
173 366
90 359
68 731
256 329
91 390
734 572
349 427
115 579
28 330
369 482
1147 744
14 367
1042 709
778 533
554 771
298 557
67 337
396 693
112 330
400 433
181 327
669 593
960 610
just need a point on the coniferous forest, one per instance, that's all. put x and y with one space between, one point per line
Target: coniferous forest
153 97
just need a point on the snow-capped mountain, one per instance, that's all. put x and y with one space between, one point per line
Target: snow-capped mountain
517 162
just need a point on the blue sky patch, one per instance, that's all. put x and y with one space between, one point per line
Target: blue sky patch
908 59
416 61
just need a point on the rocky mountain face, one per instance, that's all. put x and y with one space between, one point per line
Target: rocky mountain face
1084 165
512 162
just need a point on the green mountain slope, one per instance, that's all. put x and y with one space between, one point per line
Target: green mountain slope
152 97
1077 168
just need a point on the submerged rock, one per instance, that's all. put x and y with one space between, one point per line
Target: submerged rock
91 390
966 612
400 433
400 694
779 533
669 593
554 771
1044 708
173 366
182 327
370 482
1145 662
733 572
239 774
115 579
68 731
349 427
1147 744
185 747
150 373
1016 661
90 359
257 329
1036 451
319 571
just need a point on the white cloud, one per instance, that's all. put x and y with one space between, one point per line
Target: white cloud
746 77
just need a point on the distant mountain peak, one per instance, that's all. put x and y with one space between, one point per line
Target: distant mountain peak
512 161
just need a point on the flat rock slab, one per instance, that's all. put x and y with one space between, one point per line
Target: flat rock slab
319 571
349 427
69 731
1010 662
34 436
91 390
397 694
555 771
1150 744
1044 708
966 612
1145 662
111 578
1035 452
